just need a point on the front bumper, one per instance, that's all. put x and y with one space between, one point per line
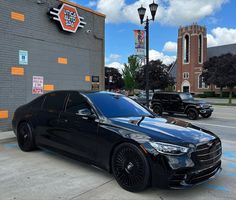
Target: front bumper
186 174
206 111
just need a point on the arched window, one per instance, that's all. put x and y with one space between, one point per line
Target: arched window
186 44
200 49
201 83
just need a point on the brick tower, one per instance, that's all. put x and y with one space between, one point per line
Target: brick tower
192 53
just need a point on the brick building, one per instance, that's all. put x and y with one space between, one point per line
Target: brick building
47 45
192 52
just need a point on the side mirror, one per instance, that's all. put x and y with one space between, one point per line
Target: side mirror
85 112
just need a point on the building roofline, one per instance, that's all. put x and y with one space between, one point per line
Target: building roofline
172 66
225 45
83 8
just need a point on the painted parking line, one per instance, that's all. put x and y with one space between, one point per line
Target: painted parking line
217 187
8 146
229 155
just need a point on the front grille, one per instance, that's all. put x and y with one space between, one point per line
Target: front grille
208 154
203 175
180 178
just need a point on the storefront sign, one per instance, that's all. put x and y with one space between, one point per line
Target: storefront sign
23 57
68 17
37 85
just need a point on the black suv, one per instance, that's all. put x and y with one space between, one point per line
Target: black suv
173 102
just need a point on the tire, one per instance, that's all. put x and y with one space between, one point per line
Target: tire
192 114
157 109
25 137
130 167
206 115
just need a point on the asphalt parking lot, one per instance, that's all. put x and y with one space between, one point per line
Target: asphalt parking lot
45 175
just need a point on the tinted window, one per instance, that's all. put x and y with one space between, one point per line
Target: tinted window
115 105
37 103
76 102
186 96
157 96
54 101
175 97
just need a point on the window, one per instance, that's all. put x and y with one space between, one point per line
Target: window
186 41
37 103
115 105
201 83
54 101
186 75
200 50
175 97
76 102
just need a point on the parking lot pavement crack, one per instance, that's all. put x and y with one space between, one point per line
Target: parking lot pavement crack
77 196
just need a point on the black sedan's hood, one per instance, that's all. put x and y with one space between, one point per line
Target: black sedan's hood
165 130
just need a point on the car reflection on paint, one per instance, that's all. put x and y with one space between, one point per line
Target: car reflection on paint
117 134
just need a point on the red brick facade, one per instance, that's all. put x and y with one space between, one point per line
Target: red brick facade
193 66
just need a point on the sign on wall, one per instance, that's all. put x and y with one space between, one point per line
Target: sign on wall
68 17
23 57
37 85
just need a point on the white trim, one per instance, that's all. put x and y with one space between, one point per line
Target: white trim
185 75
201 62
185 83
183 50
202 88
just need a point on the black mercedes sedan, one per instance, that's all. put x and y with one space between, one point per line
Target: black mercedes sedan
117 134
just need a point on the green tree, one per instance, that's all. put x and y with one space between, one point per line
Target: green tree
129 72
159 77
113 79
221 71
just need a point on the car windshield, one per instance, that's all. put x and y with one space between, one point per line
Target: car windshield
186 96
116 105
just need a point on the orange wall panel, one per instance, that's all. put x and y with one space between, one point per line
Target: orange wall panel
3 114
48 87
18 16
17 71
63 61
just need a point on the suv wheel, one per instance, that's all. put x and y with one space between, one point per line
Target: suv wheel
206 115
192 113
157 109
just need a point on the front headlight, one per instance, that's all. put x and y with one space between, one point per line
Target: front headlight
169 149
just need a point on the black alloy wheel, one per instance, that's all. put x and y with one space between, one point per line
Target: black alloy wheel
192 113
25 137
206 115
158 110
130 167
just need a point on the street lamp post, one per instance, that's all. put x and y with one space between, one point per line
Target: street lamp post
141 11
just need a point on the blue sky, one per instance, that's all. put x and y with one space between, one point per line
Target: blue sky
122 18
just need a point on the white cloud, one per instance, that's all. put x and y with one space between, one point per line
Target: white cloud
113 58
170 12
154 55
91 3
116 65
221 36
170 46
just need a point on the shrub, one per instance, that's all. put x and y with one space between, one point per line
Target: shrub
209 94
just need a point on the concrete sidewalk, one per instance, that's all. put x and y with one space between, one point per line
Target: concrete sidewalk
216 100
7 135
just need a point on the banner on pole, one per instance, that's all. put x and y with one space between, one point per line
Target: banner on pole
139 36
